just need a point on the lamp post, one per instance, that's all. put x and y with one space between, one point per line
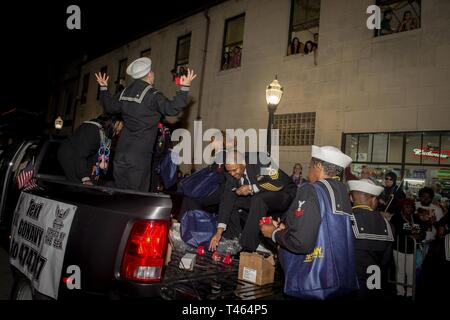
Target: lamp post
274 92
59 123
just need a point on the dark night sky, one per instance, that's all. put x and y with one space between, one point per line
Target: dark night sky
36 42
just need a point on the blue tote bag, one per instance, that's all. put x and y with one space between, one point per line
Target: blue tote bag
168 170
329 271
197 227
200 184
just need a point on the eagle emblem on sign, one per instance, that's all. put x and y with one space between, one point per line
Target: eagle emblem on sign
60 215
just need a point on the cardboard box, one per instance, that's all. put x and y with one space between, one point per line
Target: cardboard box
257 269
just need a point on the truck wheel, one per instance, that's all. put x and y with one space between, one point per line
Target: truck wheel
21 290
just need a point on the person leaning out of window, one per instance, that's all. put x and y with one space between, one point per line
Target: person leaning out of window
310 47
295 47
408 22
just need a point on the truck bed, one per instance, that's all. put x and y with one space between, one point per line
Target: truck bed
214 281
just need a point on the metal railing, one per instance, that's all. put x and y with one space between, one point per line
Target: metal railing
406 265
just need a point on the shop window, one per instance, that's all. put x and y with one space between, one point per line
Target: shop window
412 148
364 148
233 42
103 70
85 88
296 129
304 27
380 144
182 54
395 151
418 158
431 153
351 146
427 148
399 16
445 148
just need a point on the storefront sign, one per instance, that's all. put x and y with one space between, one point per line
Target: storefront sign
431 154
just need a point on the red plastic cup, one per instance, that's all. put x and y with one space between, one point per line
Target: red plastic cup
227 259
200 250
265 220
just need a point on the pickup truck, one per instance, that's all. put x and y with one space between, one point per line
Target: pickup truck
68 240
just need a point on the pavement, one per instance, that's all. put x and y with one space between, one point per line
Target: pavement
6 279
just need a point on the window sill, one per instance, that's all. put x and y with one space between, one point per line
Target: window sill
397 35
229 71
302 57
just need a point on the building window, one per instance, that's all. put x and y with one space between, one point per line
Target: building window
364 148
121 75
413 142
304 27
103 70
395 150
233 42
398 16
85 88
351 146
182 53
380 147
431 143
296 129
146 53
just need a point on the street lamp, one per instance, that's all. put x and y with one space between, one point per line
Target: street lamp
59 123
274 92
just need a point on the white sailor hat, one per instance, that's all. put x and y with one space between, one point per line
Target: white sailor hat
366 186
139 68
332 155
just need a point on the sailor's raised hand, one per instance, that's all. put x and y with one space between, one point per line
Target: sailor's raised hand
186 80
102 79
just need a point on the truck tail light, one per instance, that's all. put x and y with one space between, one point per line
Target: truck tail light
144 256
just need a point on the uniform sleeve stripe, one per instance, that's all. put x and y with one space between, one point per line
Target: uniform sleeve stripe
270 187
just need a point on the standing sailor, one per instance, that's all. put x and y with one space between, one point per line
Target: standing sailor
303 218
315 238
81 152
373 238
141 106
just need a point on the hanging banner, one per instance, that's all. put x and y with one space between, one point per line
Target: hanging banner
39 236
